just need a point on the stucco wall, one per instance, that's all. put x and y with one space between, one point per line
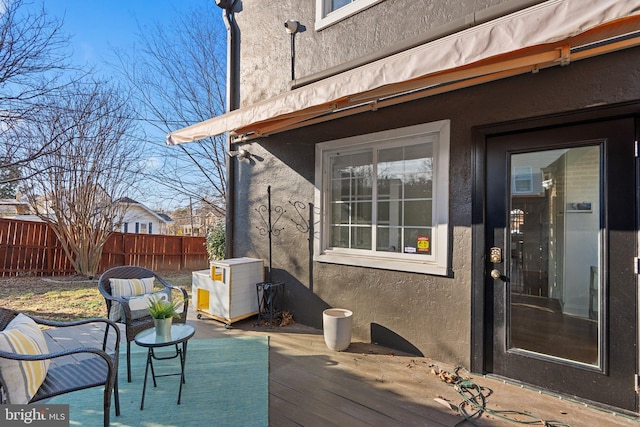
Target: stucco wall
265 51
433 314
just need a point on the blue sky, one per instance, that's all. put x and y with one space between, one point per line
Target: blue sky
99 26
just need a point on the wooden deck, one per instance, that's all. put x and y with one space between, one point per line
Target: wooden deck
369 385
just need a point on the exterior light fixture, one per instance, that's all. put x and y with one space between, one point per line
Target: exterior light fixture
291 26
241 154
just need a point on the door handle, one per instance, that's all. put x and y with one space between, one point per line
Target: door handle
496 274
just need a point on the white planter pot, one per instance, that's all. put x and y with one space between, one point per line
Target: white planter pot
336 324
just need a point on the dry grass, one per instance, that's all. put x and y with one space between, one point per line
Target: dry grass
64 298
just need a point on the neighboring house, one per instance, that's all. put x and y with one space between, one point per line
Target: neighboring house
471 172
14 208
194 220
140 219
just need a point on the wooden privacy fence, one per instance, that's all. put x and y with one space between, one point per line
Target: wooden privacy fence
32 248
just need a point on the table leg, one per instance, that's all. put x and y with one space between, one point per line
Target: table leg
146 372
183 357
184 361
153 372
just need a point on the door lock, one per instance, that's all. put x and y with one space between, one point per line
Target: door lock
495 255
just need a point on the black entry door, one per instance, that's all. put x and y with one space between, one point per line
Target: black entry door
561 298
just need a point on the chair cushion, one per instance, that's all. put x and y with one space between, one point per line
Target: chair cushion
139 304
22 378
125 288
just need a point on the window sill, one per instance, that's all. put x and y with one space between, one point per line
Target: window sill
384 263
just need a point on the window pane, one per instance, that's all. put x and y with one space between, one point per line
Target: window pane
557 252
418 186
390 213
390 163
362 187
361 237
389 188
340 167
339 213
361 213
351 195
417 213
339 237
361 163
404 190
417 241
419 151
337 4
389 239
348 165
418 159
340 189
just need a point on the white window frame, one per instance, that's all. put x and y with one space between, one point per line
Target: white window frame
437 263
326 17
518 177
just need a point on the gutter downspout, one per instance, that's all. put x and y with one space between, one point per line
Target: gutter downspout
232 100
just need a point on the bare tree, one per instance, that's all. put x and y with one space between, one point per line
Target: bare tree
179 77
33 59
77 187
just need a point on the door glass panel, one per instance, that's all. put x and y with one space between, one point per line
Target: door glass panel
555 253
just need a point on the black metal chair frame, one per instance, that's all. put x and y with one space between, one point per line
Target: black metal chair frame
78 368
133 326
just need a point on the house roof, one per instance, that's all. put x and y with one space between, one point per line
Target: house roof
166 217
551 33
160 216
128 200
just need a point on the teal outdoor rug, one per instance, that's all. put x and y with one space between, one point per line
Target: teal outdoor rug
227 384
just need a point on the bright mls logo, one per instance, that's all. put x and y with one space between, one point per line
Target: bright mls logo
34 415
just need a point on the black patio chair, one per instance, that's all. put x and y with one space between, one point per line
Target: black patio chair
133 326
73 365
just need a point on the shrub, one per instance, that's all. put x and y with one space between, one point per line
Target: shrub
216 241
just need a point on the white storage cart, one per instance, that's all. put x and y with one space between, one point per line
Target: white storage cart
227 292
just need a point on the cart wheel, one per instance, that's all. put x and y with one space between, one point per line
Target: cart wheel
199 316
227 325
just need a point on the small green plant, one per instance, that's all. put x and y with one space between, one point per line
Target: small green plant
215 241
163 309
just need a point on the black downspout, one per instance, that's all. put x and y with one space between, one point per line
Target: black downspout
233 65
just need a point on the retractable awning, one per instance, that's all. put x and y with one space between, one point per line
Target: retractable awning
552 33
